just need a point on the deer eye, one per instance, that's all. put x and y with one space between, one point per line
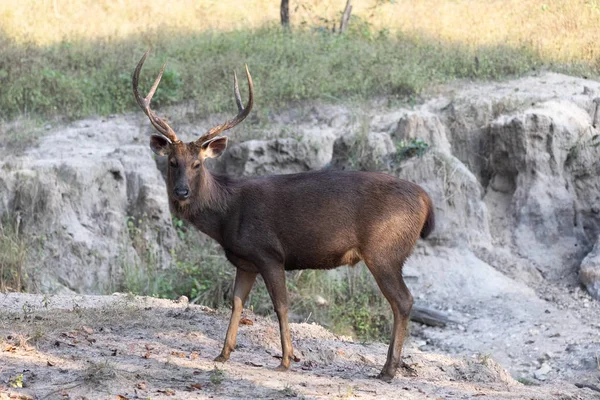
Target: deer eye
173 163
196 165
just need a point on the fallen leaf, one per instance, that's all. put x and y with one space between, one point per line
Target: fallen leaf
141 385
196 386
120 397
253 364
87 330
91 340
197 372
193 355
308 365
167 391
246 321
10 349
147 355
49 363
178 354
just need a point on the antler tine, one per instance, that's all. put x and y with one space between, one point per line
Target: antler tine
144 103
242 111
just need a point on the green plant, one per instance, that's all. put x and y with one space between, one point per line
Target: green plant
16 381
288 391
407 149
179 228
217 376
526 381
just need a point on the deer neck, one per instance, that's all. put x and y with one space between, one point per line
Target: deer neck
208 207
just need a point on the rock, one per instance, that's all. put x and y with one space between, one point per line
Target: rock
589 271
541 373
278 156
461 215
425 126
93 204
320 301
365 152
529 159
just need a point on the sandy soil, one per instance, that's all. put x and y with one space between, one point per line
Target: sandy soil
126 347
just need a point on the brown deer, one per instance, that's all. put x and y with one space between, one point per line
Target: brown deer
317 220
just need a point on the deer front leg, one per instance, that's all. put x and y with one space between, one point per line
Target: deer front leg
274 277
243 284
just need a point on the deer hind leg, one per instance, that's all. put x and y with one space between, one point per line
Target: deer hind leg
390 281
274 277
243 284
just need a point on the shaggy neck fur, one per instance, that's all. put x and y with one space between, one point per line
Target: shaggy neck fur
210 195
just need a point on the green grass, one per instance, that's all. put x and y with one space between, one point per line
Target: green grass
80 78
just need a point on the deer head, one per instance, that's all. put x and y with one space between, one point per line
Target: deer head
186 169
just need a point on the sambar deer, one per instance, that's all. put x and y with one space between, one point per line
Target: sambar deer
318 220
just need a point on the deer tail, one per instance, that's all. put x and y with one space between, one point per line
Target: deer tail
429 224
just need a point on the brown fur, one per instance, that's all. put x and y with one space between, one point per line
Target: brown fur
316 220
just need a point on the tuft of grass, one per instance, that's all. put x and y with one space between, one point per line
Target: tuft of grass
13 255
217 376
99 373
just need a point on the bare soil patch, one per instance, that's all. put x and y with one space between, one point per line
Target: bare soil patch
127 347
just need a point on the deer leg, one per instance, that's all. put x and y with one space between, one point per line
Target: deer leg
274 278
243 284
390 281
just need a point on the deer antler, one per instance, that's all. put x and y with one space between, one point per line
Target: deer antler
157 122
242 111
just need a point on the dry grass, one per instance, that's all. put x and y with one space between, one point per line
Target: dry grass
560 30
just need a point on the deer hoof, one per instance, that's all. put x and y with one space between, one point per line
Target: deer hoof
385 376
221 358
282 368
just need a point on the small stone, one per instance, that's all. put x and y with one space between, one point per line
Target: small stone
541 373
321 301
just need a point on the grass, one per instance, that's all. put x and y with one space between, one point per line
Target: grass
79 78
83 67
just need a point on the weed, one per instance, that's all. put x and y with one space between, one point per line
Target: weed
46 301
526 381
13 254
217 376
408 149
99 373
484 359
288 391
16 381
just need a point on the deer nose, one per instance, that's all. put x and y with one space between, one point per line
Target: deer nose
182 193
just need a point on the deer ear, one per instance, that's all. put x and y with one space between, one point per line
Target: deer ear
215 147
160 145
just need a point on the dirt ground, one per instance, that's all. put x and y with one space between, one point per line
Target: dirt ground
127 347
